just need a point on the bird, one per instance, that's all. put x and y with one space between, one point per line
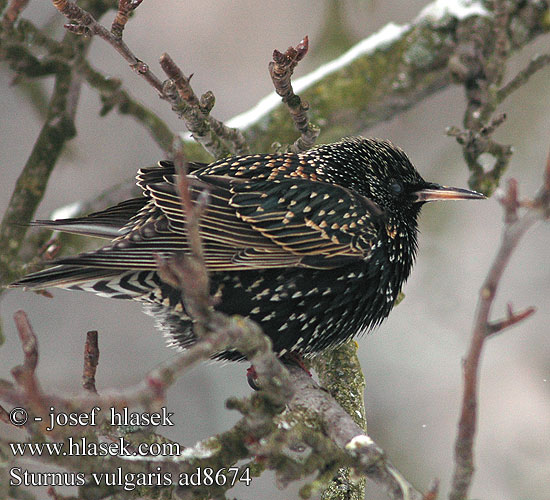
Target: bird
314 246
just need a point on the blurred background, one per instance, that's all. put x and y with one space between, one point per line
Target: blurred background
412 362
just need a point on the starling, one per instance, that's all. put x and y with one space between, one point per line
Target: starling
313 246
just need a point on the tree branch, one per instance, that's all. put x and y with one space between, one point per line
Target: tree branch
189 108
340 373
125 8
32 182
91 359
515 228
85 23
388 72
12 12
255 434
209 132
281 69
480 67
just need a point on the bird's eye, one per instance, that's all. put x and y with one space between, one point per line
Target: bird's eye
396 187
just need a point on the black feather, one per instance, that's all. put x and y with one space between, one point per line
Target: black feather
314 246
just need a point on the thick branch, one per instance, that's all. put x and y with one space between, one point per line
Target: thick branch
537 63
340 373
386 73
32 182
366 457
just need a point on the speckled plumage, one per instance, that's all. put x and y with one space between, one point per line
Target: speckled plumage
313 246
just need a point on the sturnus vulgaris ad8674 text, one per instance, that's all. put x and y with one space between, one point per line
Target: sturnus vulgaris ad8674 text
314 246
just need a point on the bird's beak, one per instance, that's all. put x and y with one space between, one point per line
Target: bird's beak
436 192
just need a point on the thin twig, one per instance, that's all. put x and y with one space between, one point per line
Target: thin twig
125 7
482 72
189 108
511 319
12 12
25 30
28 341
510 202
496 63
25 374
537 63
513 231
193 212
188 273
433 491
229 134
85 23
281 69
91 359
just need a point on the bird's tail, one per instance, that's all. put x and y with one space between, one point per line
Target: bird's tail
109 223
61 276
113 283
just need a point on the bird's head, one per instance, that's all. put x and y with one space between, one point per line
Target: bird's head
383 173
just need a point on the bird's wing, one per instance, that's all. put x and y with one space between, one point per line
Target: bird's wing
277 223
315 220
158 227
247 224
